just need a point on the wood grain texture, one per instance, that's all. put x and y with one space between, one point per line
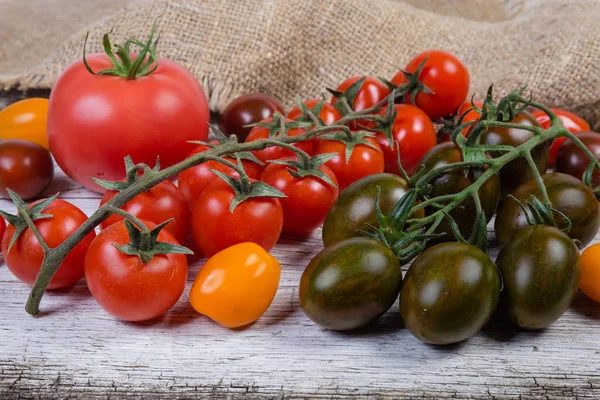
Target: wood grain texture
75 350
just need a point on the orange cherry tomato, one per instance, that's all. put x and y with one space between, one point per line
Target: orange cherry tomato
237 285
590 272
26 120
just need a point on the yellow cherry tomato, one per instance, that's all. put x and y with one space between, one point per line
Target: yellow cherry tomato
26 120
237 285
590 272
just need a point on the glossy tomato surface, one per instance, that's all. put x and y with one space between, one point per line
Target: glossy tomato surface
25 120
371 93
572 122
590 272
94 121
275 152
25 257
572 160
127 288
246 110
25 167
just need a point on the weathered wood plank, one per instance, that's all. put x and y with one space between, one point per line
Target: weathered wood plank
76 350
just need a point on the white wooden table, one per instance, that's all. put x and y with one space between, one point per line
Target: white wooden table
76 350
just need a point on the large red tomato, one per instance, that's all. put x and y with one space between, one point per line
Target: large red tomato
25 258
371 92
94 121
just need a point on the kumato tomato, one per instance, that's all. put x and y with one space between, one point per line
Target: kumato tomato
447 78
567 194
246 110
517 171
468 114
371 93
25 120
573 123
541 269
449 293
572 160
157 204
590 272
275 152
25 257
26 168
237 285
328 113
415 134
350 284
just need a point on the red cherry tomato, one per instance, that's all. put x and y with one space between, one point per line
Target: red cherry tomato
363 161
445 75
472 115
370 94
573 123
329 114
192 180
414 132
215 227
274 152
25 257
2 228
308 198
246 110
124 286
158 204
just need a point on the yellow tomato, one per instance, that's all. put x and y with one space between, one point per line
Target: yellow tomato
590 272
26 120
237 285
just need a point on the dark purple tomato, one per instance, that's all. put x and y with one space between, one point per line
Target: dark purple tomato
246 110
570 159
25 167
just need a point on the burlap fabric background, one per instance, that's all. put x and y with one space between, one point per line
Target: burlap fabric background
299 47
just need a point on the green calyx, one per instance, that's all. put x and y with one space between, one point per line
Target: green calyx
244 189
222 139
133 172
279 126
538 213
351 140
298 169
143 242
25 215
311 115
413 84
124 66
345 99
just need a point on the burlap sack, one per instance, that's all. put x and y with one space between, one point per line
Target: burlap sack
298 47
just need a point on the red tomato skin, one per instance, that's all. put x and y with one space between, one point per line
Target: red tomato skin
445 75
25 258
274 152
215 228
94 121
572 122
415 133
158 204
364 161
192 180
308 199
2 228
472 115
370 94
329 114
128 289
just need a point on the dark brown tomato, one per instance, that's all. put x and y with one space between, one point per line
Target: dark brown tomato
517 171
570 159
349 284
541 269
454 181
567 194
245 110
25 167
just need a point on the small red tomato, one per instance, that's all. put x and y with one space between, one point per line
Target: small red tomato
215 227
2 228
570 159
328 114
573 123
25 258
364 160
246 110
414 132
308 198
472 115
127 288
157 204
445 75
192 180
274 152
370 94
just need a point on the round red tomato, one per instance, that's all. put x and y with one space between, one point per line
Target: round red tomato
94 121
25 258
215 227
246 110
2 228
364 160
328 114
472 115
370 94
573 123
192 180
445 75
414 132
157 204
274 152
127 288
308 198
